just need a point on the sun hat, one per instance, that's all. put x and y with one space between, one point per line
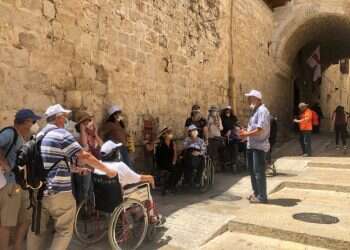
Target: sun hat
82 116
164 131
113 109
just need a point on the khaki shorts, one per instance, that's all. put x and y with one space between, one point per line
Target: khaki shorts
25 214
10 203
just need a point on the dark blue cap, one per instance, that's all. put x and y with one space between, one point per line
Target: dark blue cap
25 114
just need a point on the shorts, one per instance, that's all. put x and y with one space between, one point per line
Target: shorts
10 203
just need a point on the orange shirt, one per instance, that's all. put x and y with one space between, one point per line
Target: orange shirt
306 123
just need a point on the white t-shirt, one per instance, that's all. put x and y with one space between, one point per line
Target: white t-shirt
125 174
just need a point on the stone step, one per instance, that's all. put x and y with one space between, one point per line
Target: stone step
246 241
278 219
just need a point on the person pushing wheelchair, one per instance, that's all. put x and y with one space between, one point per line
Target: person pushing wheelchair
193 156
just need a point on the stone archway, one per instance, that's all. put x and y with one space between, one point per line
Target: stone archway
306 21
302 23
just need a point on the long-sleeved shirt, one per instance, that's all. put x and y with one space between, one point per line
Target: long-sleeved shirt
196 144
214 127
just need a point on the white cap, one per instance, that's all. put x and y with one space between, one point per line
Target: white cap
109 146
56 109
254 93
113 109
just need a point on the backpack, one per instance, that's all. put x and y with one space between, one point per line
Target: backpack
14 140
31 175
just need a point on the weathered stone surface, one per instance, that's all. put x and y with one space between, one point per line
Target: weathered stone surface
152 57
73 99
49 10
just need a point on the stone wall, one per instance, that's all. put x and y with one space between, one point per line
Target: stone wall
253 63
335 90
153 57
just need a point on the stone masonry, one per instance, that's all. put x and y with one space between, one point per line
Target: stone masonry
155 58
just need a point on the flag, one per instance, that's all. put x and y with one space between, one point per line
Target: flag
314 62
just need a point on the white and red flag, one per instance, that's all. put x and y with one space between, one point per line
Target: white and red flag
314 62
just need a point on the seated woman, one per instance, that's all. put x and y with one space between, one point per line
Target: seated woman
111 157
194 150
166 157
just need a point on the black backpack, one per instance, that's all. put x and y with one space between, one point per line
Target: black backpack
31 175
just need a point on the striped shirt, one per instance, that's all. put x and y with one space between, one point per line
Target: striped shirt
56 146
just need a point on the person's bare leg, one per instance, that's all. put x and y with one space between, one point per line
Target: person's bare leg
4 237
21 232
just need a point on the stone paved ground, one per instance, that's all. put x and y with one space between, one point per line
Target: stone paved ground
194 219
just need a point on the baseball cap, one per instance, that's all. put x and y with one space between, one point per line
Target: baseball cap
254 93
228 107
56 109
113 109
303 104
25 114
192 127
109 146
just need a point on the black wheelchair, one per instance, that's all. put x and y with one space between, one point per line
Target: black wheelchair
200 177
126 215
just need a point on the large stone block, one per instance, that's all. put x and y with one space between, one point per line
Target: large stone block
73 99
49 10
28 40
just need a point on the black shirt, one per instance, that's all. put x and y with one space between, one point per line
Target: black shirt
165 155
228 123
200 124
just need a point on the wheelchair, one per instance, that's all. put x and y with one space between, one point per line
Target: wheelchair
207 177
126 216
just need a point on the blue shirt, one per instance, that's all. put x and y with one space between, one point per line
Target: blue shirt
57 146
260 118
196 144
6 139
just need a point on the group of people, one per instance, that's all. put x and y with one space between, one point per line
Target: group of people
69 155
213 135
69 161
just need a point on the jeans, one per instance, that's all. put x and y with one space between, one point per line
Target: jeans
340 131
305 142
256 168
125 155
81 186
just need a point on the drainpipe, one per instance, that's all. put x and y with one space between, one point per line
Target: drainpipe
231 79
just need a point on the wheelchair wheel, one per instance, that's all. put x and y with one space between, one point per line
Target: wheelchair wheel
128 225
90 225
207 175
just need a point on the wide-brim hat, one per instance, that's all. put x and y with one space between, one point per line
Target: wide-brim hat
213 108
164 131
113 109
82 116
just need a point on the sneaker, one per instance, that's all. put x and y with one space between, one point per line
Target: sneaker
255 200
